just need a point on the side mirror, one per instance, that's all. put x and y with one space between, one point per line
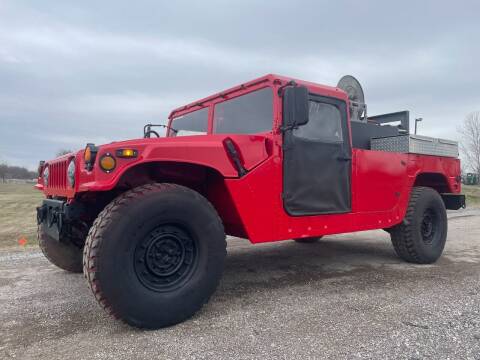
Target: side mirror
295 106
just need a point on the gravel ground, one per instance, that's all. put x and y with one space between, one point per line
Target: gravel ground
345 297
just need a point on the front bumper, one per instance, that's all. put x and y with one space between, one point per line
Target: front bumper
52 216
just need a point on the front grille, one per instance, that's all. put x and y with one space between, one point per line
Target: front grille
58 174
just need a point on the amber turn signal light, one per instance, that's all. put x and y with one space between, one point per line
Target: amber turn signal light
107 162
126 153
88 155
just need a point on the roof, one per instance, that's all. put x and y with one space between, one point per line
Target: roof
270 79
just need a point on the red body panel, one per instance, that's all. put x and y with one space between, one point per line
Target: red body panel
380 196
251 206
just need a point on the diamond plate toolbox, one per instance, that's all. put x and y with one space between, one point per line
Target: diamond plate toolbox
416 144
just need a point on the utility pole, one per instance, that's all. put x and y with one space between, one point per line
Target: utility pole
417 120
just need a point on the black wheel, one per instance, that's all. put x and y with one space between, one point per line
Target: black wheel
421 237
65 254
155 255
308 240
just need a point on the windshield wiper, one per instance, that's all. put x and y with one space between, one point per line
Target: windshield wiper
147 130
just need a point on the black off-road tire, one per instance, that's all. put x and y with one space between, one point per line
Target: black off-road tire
64 254
308 240
155 255
421 237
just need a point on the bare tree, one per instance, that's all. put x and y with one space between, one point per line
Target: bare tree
3 171
470 140
63 152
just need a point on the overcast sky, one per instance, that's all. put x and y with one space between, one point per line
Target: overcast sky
73 72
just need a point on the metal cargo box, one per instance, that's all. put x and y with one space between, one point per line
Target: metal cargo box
416 144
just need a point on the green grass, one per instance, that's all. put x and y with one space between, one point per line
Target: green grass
472 193
18 214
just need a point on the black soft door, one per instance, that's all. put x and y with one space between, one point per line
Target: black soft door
316 158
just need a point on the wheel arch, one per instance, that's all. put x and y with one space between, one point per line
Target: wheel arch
438 182
434 180
189 174
203 179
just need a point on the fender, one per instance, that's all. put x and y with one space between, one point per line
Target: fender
440 173
204 150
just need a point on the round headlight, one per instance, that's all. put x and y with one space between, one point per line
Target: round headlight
46 172
71 173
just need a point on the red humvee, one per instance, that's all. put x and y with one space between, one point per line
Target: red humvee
269 160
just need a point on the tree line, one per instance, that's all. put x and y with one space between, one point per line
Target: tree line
20 172
15 172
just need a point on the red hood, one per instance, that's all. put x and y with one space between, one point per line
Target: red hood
198 149
205 150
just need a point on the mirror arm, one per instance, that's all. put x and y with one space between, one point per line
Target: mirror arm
146 131
290 83
288 128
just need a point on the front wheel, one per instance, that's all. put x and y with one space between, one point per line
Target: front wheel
155 255
421 237
65 254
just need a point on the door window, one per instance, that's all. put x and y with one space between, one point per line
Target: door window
316 161
324 123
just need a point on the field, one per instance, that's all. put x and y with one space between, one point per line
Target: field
473 195
18 214
18 203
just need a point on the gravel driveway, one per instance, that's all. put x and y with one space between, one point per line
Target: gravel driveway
345 297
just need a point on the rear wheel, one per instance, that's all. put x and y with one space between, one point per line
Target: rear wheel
155 255
65 254
421 237
308 240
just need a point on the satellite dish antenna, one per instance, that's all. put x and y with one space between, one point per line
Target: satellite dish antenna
358 108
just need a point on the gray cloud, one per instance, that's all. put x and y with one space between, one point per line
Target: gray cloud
75 72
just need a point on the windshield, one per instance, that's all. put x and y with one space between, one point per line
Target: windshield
246 114
193 123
